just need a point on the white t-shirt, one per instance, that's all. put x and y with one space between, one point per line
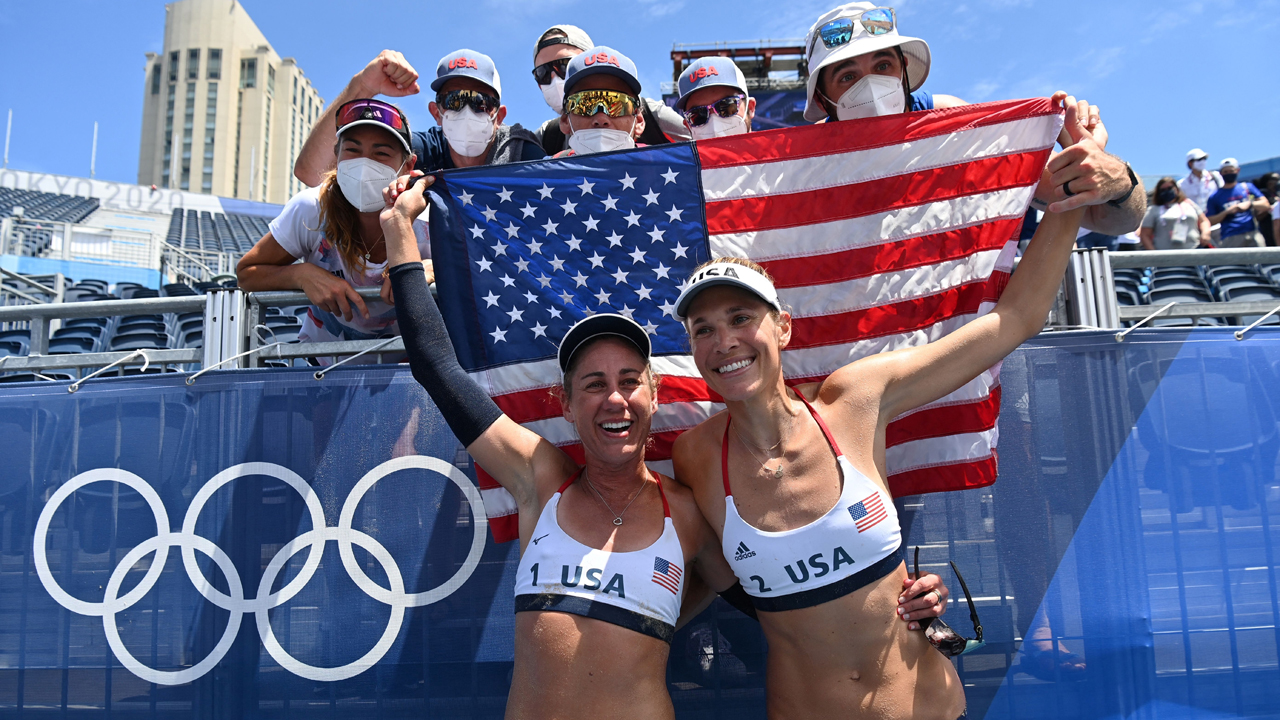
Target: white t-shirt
1199 189
298 230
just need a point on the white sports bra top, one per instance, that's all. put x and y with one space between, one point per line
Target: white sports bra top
639 590
856 543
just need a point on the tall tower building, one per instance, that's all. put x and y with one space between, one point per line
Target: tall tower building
222 112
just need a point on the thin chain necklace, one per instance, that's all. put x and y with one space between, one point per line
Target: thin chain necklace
617 517
777 471
369 250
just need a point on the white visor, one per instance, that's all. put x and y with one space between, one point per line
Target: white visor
727 274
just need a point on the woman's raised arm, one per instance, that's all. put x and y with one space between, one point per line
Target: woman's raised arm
514 456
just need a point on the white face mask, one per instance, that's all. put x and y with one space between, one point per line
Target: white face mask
1198 165
553 93
594 140
468 131
716 126
872 96
362 181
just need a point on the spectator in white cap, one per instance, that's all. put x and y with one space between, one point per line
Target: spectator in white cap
1200 183
551 56
714 98
468 111
859 66
1233 206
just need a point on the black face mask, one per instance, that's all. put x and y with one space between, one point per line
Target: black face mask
1166 196
1230 177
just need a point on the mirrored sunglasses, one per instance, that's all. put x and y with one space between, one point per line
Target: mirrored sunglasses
459 99
876 21
371 110
728 106
589 102
548 70
939 633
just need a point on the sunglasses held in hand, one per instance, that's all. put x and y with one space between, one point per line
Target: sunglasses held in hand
940 634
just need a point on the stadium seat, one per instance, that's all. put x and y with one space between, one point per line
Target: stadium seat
85 321
9 347
193 338
178 290
285 321
285 334
1125 296
1182 295
71 345
1173 283
84 331
140 341
32 377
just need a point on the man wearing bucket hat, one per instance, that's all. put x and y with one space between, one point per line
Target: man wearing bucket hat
860 66
468 111
551 56
714 98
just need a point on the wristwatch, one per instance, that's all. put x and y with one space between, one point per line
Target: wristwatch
1133 179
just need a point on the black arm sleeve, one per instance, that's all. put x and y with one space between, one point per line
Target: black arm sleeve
467 409
737 597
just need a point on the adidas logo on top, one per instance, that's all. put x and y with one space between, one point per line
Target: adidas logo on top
743 552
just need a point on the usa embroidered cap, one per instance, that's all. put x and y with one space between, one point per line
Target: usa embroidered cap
723 273
570 35
604 324
709 72
860 43
467 63
601 60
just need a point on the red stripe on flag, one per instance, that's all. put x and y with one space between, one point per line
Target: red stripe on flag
505 528
891 319
828 138
539 404
958 419
666 582
842 202
892 256
942 478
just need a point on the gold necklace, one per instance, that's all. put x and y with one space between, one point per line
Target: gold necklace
369 251
777 471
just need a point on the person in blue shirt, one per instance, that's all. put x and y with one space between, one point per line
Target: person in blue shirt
468 111
1233 206
859 66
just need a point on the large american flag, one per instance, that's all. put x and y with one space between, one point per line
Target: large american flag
880 233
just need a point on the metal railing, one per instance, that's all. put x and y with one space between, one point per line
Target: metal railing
196 266
72 241
1091 291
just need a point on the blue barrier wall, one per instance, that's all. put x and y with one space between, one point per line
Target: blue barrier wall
1131 537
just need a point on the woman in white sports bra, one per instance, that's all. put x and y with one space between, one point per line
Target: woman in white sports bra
613 556
793 481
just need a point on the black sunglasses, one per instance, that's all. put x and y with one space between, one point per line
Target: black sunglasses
544 72
940 634
459 99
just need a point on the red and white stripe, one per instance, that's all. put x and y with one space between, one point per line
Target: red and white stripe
875 512
881 234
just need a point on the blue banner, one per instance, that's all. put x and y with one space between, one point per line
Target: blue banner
262 544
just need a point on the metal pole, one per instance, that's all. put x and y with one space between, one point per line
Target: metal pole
252 178
7 131
93 154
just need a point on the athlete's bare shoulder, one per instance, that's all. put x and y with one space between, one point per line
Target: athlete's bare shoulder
696 449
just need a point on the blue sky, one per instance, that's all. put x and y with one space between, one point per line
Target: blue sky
1168 76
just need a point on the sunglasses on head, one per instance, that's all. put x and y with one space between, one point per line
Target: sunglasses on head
384 113
459 99
728 106
940 634
876 21
546 71
589 102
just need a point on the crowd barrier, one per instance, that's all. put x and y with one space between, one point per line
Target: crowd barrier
260 543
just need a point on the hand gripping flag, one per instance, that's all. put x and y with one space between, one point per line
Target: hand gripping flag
881 234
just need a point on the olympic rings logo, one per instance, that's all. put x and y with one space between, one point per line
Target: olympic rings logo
235 601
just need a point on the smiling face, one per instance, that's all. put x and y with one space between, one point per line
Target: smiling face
610 399
375 143
737 341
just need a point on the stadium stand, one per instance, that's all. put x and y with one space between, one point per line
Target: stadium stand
46 206
1199 284
215 232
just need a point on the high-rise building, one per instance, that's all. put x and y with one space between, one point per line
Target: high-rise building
222 112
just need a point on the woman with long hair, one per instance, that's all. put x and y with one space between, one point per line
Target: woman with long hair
334 228
797 476
613 555
1172 221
